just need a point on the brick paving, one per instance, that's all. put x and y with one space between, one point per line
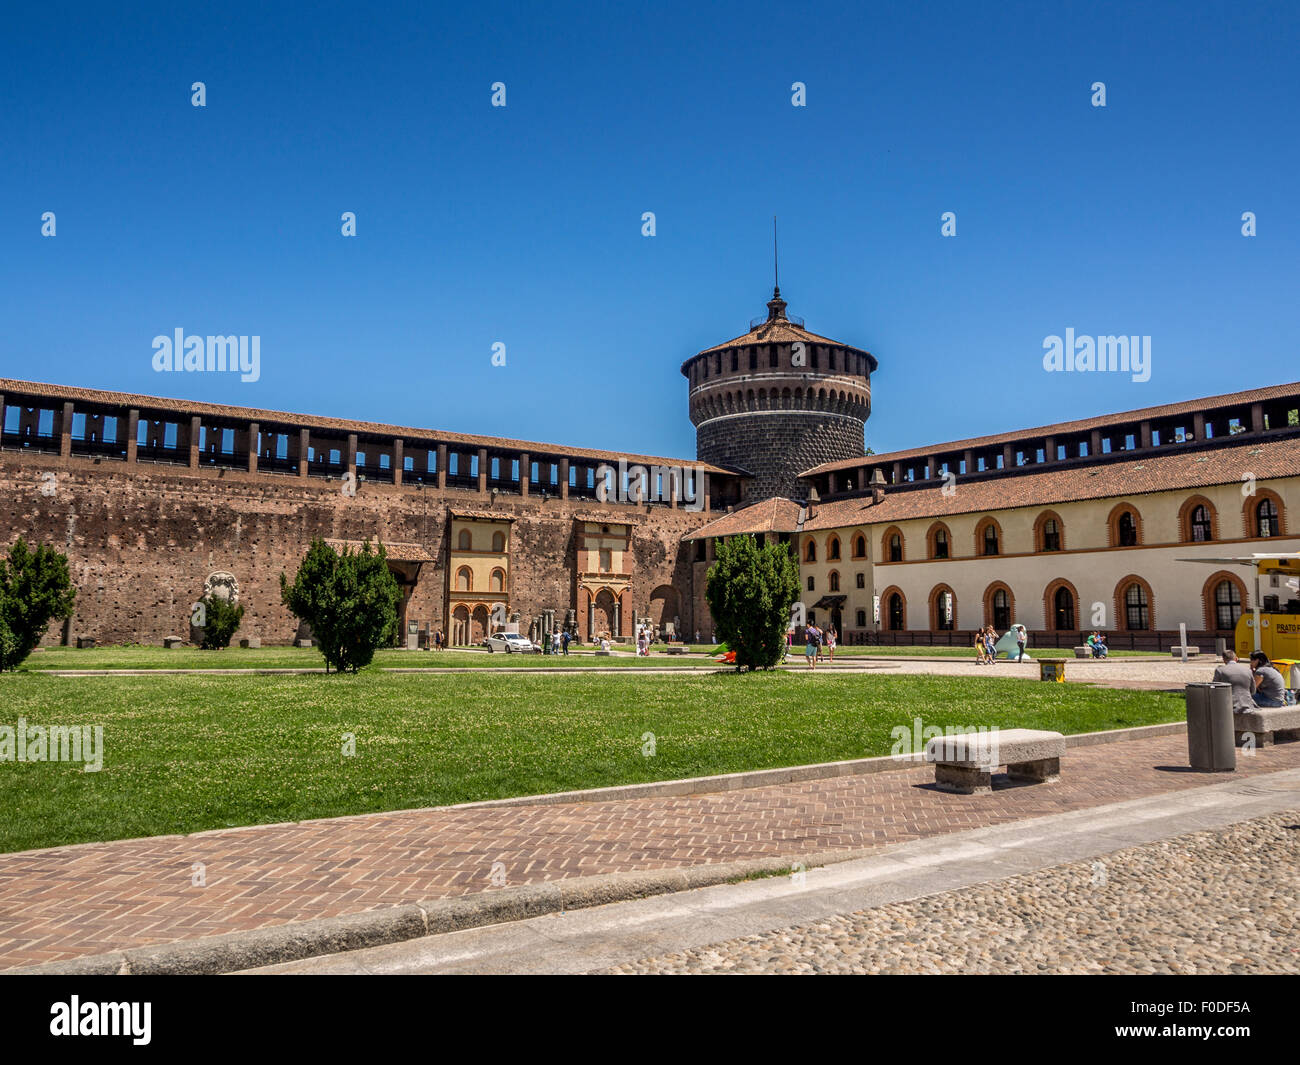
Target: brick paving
67 902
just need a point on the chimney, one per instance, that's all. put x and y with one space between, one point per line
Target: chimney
877 485
813 500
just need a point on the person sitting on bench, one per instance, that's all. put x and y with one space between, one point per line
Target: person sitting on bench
1269 688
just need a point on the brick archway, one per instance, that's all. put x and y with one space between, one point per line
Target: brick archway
1251 505
1039 524
1121 613
1185 513
989 593
936 607
932 535
1209 604
885 596
890 533
1112 522
1049 605
984 523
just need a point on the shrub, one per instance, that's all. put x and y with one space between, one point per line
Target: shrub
349 600
221 620
750 590
35 588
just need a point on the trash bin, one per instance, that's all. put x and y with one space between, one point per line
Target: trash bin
1211 745
1052 669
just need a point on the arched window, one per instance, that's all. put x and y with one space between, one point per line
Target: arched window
939 540
1063 609
862 580
896 613
1266 523
1001 610
464 580
812 584
835 581
892 545
943 608
1200 525
988 537
1051 535
859 546
1227 605
862 619
1137 609
463 543
833 548
498 580
498 542
810 554
1125 526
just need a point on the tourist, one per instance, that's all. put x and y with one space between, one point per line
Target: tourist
1102 649
1092 645
1270 689
697 635
1242 681
812 645
1022 637
831 636
991 644
604 642
565 639
979 647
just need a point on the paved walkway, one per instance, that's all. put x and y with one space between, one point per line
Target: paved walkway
68 902
1100 890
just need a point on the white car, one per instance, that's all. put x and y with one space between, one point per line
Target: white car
510 642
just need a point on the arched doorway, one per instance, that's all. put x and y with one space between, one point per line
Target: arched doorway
479 625
460 626
1063 610
603 620
663 606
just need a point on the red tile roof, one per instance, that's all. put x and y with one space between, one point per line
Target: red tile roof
1138 476
770 515
1168 410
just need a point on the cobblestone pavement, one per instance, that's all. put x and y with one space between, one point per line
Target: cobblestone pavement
1221 901
67 902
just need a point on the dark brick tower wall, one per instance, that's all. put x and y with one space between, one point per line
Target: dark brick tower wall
764 405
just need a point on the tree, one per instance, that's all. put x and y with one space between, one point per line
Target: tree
221 620
349 600
750 590
35 588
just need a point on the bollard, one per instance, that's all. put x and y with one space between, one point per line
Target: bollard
1211 743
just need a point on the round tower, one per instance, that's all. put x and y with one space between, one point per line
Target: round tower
779 400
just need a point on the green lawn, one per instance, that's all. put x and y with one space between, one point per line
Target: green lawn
58 658
185 753
143 657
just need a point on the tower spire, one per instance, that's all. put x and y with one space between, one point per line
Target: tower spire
776 305
776 263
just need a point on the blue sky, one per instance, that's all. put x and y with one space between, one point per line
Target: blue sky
522 225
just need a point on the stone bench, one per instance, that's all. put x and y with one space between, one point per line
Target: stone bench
965 764
1192 652
172 642
84 642
675 650
1083 652
1266 724
254 642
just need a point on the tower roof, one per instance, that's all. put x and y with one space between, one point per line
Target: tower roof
777 328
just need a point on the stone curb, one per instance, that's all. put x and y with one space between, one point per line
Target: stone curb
217 955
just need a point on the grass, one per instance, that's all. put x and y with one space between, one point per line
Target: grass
143 657
189 752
